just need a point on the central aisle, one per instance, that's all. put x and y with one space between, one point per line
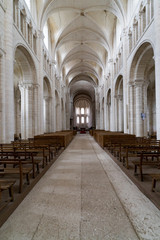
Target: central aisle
74 200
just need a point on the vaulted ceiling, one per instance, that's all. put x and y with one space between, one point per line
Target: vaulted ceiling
82 34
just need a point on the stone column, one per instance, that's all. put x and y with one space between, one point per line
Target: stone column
112 111
125 82
30 111
27 107
97 109
116 119
46 114
9 88
23 111
71 113
17 14
67 112
140 25
105 102
133 36
40 82
148 12
145 107
25 27
143 20
157 62
129 41
153 4
120 113
36 120
139 107
2 96
108 116
52 108
131 108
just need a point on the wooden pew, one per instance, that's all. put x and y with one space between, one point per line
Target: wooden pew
24 155
7 184
18 170
141 162
155 177
131 150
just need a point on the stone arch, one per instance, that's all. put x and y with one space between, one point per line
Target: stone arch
47 104
108 112
25 93
119 115
142 78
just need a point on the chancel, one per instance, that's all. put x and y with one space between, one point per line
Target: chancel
79 119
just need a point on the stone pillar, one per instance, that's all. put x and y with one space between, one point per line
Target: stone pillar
30 110
125 82
23 111
140 25
157 62
145 108
152 7
40 82
97 109
46 114
52 104
116 119
2 97
36 120
101 115
27 110
112 111
67 112
9 88
143 20
139 107
129 41
25 27
120 113
17 15
71 113
105 102
108 116
133 36
131 108
148 12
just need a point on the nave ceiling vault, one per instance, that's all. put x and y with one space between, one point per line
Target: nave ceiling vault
82 35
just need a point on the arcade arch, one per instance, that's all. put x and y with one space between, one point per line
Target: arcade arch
25 94
142 92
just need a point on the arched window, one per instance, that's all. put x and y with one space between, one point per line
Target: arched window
82 110
82 119
77 120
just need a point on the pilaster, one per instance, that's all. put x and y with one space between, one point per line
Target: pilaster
9 88
139 107
157 62
2 96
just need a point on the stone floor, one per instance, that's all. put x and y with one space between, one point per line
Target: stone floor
84 195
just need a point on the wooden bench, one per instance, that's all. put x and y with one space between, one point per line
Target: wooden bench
133 150
7 184
18 170
140 163
24 155
155 178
